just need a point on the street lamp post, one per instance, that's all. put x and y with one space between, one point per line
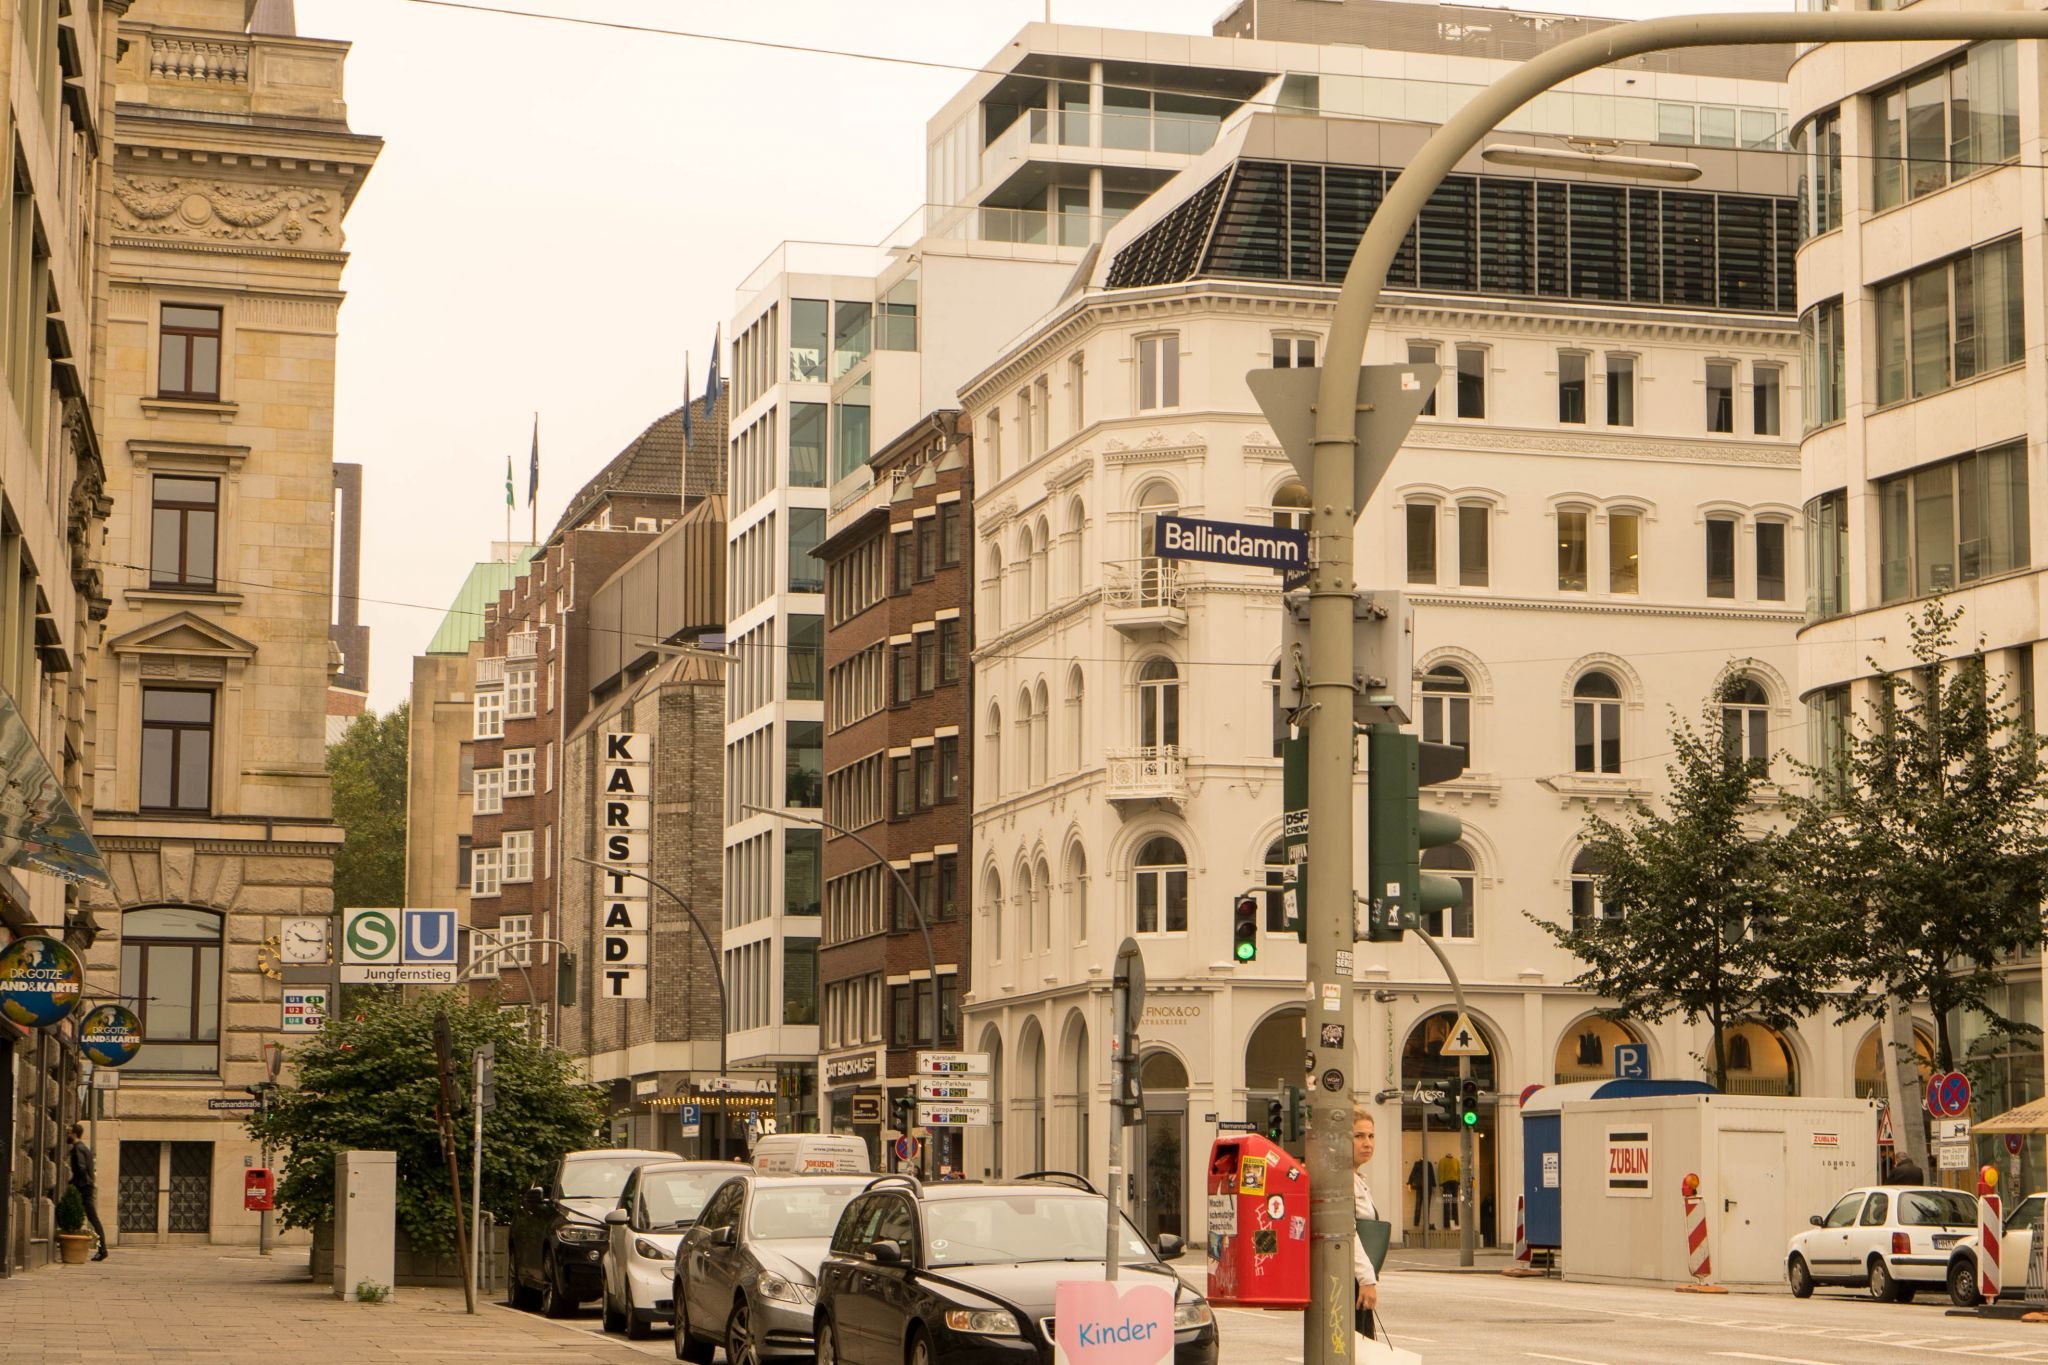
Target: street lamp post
710 948
1326 1329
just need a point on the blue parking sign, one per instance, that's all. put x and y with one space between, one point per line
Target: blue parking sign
1632 1062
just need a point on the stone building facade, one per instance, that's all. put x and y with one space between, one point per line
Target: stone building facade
233 166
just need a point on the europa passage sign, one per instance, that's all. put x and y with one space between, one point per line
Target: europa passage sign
624 819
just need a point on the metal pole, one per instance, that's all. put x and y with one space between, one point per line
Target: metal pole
476 1173
1326 1328
1118 1007
262 1218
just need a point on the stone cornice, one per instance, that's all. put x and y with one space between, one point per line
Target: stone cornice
1605 607
1600 445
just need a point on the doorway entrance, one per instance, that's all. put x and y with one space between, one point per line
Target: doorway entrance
1433 1165
1162 1191
166 1187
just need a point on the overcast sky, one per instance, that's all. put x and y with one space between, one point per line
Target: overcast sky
562 211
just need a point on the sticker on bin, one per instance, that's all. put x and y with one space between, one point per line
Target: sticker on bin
1251 1176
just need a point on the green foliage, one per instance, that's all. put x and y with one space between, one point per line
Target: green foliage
1696 922
368 1081
369 1291
367 770
70 1210
1923 852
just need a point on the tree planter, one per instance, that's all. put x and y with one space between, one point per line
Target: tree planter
76 1247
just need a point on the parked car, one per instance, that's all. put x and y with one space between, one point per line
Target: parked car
808 1153
1892 1239
2016 1244
660 1202
558 1234
745 1275
962 1273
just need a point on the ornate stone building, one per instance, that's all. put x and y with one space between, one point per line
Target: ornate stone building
233 166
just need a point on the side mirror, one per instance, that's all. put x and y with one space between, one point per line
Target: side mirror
618 1218
1171 1248
1816 1220
886 1251
536 1199
725 1236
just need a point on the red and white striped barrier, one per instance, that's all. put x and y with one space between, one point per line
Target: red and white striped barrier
1990 1233
1521 1230
1696 1258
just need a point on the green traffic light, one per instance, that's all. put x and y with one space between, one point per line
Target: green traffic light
1471 1119
1247 951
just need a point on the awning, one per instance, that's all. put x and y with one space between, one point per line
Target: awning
2031 1117
39 828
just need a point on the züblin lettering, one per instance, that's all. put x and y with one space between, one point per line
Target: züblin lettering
1201 540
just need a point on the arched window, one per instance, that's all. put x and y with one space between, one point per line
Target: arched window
992 594
1077 521
1745 721
1596 724
1041 566
1154 574
1738 1052
1041 734
1023 571
1160 882
1276 878
1159 705
993 758
1077 712
1588 910
1041 905
1453 861
1027 924
1291 507
1447 708
1026 779
992 897
170 965
1077 893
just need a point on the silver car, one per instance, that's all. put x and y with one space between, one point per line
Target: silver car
746 1274
660 1202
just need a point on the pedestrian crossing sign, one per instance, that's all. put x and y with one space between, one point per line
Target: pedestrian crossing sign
1464 1040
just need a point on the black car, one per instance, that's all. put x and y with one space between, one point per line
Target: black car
965 1273
558 1236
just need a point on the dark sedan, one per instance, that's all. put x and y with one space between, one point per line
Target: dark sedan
965 1274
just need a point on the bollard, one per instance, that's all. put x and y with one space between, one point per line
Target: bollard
1697 1259
1521 1230
1990 1233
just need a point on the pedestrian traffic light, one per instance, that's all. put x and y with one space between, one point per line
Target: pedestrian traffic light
1468 1103
1398 892
1244 931
1276 1117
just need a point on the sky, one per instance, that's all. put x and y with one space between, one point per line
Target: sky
562 213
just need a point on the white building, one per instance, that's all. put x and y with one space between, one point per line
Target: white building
1598 526
1920 289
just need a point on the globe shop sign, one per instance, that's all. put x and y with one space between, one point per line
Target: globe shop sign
41 982
110 1036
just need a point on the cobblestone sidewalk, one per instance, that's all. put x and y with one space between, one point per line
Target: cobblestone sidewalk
229 1306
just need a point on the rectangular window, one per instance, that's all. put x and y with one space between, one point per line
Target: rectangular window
903 563
949 650
852 325
949 768
462 860
515 936
927 777
807 445
1770 561
519 693
177 749
1621 390
1474 550
188 359
803 777
1027 428
806 533
949 534
1946 124
517 847
1077 405
1159 371
1953 523
1821 352
1720 396
184 524
927 547
1424 353
1950 322
903 672
802 854
806 657
1720 557
1624 552
488 715
485 869
949 886
1827 729
1571 387
1422 542
902 787
808 323
927 661
1294 352
853 428
519 772
489 796
1764 391
1827 555
1472 381
1818 148
1571 551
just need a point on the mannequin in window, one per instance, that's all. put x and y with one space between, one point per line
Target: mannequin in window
1589 1049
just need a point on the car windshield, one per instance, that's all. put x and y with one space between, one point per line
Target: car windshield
672 1198
994 1229
598 1177
802 1210
1937 1209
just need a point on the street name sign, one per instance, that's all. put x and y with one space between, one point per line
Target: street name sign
398 947
235 1106
1280 548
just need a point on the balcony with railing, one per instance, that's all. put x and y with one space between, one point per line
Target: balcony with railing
1153 772
522 644
490 672
1143 595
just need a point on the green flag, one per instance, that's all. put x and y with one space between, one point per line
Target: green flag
508 480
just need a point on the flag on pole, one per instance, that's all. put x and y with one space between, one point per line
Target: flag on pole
711 387
508 481
533 467
686 404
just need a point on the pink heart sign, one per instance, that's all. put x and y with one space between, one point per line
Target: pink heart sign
1099 1323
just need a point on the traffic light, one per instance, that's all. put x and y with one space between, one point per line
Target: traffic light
1276 1117
565 979
1244 929
487 1076
1468 1103
904 1108
1297 1112
1398 891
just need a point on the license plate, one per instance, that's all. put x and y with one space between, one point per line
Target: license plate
1942 1243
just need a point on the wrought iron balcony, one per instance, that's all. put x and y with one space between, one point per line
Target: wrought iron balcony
1141 595
1157 772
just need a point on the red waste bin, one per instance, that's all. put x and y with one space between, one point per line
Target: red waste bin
1258 1224
258 1189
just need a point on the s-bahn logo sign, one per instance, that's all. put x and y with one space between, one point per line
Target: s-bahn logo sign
41 981
624 828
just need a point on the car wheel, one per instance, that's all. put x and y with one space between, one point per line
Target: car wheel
920 1348
1883 1287
1962 1282
688 1348
637 1327
614 1320
1800 1277
521 1295
828 1350
739 1337
1904 1293
553 1302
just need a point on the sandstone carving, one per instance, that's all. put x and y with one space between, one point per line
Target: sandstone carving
250 213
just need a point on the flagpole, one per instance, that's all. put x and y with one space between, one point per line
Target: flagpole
533 482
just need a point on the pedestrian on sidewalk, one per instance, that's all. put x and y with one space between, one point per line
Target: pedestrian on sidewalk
1362 1126
82 1181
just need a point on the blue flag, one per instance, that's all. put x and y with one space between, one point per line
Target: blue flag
686 403
711 387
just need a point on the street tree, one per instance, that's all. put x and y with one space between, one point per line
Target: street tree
367 770
1689 917
1920 847
368 1080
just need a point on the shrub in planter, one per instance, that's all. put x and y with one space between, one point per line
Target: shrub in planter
75 1244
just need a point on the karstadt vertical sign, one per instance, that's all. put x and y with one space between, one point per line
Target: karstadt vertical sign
624 832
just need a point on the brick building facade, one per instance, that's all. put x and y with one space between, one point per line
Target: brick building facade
898 621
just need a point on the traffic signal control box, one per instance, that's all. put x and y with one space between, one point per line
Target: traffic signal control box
1258 1224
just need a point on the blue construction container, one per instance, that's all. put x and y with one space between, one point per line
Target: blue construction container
1543 1145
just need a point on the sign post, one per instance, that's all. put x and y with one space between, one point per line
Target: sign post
1127 1005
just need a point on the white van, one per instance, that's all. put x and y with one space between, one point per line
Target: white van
811 1153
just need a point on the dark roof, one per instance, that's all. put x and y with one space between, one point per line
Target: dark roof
652 464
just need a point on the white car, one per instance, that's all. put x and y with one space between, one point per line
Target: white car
660 1202
1892 1239
2014 1247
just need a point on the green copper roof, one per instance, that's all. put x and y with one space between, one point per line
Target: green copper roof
464 622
